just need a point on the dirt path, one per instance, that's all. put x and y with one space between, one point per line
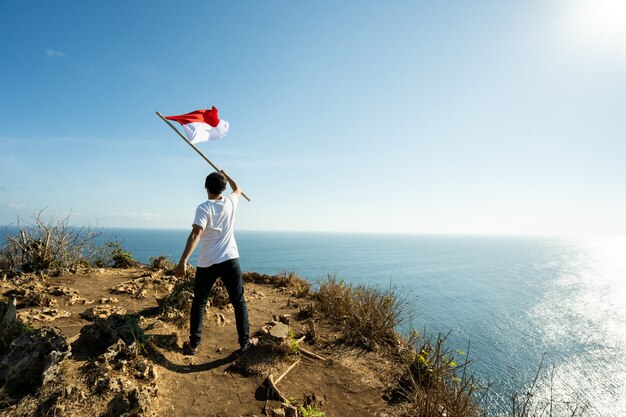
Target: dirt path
208 384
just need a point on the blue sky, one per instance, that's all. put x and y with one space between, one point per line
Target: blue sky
415 117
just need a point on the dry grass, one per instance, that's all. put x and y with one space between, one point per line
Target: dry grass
48 244
55 247
428 378
533 404
436 381
291 281
162 262
369 315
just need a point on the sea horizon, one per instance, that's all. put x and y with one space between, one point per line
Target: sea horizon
352 232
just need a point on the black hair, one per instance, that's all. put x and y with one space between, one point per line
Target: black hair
215 183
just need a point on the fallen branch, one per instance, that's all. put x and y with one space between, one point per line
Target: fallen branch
285 373
272 390
311 354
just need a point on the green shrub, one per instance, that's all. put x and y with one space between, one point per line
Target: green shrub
311 411
435 379
121 258
293 346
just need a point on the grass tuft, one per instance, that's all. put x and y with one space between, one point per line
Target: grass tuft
369 315
293 282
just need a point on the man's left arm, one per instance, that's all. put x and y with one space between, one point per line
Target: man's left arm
192 242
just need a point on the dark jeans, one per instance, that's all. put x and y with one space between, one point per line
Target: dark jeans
230 273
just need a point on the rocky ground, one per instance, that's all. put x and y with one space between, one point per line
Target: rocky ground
107 342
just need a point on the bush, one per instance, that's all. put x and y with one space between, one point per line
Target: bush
162 262
121 258
43 245
55 245
436 381
369 315
299 286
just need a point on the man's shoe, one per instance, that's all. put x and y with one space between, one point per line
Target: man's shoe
188 349
250 344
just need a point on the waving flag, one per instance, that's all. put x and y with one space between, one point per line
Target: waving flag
202 125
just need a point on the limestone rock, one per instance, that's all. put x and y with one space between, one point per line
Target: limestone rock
8 313
221 319
60 291
134 402
128 287
32 360
279 331
43 314
97 337
256 295
101 312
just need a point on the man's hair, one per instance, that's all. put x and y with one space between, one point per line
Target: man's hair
215 183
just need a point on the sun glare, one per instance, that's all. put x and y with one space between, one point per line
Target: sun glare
599 23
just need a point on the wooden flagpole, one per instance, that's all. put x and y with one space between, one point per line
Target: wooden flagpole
195 148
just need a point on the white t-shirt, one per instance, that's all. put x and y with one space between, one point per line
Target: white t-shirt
217 219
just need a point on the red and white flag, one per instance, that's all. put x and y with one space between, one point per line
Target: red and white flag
202 125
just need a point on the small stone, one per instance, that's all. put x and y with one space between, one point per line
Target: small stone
278 412
279 331
221 319
284 318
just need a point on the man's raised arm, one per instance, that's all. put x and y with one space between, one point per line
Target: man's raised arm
232 183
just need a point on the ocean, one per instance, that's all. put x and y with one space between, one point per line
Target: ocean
513 299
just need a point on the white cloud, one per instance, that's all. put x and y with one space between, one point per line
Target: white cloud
55 54
16 205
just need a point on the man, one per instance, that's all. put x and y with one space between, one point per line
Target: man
213 228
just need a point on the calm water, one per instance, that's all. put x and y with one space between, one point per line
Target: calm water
513 298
